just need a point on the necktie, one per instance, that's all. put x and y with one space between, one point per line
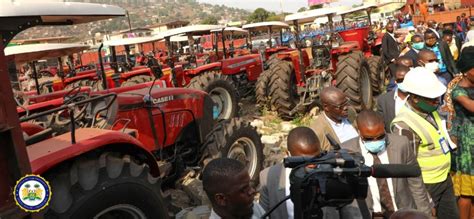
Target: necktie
385 197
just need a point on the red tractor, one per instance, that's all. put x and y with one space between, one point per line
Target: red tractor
120 147
225 80
268 50
296 81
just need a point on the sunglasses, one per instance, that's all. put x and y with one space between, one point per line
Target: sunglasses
373 138
340 106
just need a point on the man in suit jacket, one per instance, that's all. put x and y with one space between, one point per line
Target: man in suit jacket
274 181
389 103
387 196
416 44
390 49
334 121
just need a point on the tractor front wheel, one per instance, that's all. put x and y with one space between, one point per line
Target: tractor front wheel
105 186
353 78
236 139
262 90
283 90
222 91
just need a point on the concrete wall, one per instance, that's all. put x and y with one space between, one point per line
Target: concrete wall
444 17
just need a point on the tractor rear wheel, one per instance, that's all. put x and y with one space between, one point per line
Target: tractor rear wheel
105 186
271 61
283 90
136 80
222 91
377 74
236 139
262 90
353 78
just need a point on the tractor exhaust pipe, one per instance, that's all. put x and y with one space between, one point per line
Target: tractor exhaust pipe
101 64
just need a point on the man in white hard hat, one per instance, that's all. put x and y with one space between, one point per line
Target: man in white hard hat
420 122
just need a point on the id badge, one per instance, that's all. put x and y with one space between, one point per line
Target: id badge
444 145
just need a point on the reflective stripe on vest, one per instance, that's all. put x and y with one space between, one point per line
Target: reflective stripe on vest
433 162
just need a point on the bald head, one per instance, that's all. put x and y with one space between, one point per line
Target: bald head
426 56
431 24
330 94
302 141
405 61
369 118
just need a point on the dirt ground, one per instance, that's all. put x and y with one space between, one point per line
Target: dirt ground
273 135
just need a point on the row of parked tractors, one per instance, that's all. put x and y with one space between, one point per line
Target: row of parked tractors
98 133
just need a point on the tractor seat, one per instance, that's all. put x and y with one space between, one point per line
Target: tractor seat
105 116
34 133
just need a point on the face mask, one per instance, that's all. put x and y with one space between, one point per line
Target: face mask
375 146
418 46
432 66
427 108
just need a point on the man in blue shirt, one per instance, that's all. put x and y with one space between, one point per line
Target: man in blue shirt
446 68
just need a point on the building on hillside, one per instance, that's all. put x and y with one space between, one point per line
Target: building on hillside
161 27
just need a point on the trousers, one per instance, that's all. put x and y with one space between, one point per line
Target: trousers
443 196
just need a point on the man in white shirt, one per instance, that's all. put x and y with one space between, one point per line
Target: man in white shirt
385 196
227 184
334 120
388 104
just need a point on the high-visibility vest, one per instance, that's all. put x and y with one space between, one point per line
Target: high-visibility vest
434 164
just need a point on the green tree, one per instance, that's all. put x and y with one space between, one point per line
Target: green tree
210 20
302 9
259 15
312 7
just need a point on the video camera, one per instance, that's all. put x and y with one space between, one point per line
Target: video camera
335 179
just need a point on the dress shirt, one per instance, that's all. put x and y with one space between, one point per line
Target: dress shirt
289 203
399 103
344 130
374 188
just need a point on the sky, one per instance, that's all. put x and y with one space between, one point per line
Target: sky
271 5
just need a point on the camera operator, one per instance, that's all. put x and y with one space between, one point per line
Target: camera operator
275 183
387 195
227 184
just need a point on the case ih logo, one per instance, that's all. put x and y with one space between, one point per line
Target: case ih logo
163 99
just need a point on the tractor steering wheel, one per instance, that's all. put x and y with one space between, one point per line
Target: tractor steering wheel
70 94
61 118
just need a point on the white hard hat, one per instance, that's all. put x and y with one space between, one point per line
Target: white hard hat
411 28
422 82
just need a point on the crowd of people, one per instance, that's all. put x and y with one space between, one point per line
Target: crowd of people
425 118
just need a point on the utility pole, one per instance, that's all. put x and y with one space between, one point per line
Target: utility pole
129 24
281 6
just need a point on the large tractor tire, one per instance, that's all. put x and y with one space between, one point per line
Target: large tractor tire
96 85
236 139
283 91
222 91
353 78
377 74
136 80
271 61
105 186
262 90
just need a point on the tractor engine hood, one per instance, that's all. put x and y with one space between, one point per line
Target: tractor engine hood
170 100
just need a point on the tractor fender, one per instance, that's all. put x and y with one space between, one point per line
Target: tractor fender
48 154
143 71
204 68
84 76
